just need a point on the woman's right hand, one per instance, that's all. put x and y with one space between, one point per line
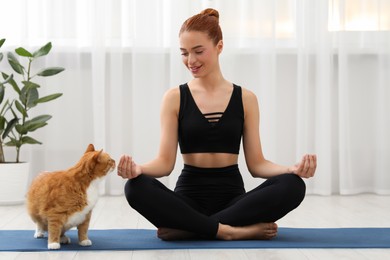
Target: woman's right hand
127 168
306 168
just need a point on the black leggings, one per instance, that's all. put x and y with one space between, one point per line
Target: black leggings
205 197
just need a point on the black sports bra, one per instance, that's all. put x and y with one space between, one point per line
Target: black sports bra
218 132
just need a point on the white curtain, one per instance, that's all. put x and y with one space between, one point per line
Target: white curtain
320 69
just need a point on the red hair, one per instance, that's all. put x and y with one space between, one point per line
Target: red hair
207 21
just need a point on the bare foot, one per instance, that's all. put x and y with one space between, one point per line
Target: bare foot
174 234
259 231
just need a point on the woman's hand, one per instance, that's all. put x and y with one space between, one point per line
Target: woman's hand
306 168
127 168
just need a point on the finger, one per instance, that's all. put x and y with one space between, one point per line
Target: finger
121 161
303 167
313 164
309 166
121 164
124 160
133 168
127 167
300 166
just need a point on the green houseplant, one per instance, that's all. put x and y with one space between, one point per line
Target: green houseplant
16 122
5 125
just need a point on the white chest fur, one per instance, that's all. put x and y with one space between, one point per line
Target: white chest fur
92 197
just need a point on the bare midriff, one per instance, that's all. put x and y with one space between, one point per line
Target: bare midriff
210 160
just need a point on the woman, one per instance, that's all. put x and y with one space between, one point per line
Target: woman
208 117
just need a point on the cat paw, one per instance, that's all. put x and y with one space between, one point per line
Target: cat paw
39 234
85 242
53 246
65 240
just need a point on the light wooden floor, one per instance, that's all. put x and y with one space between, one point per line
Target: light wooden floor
316 211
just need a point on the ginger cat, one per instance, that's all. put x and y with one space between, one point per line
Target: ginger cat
58 201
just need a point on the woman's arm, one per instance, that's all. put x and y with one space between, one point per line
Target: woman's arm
257 165
164 163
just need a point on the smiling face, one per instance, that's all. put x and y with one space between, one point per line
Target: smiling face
199 53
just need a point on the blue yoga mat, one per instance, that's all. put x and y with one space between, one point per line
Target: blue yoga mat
145 239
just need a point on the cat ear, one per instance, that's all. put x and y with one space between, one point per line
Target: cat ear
90 148
97 156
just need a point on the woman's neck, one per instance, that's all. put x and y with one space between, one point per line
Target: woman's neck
210 81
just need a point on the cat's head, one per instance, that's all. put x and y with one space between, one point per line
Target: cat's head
99 163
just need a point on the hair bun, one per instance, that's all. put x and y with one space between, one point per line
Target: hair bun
210 12
206 21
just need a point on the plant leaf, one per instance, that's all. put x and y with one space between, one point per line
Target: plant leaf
34 126
23 52
29 95
13 83
44 50
2 123
30 84
32 97
1 44
6 79
50 71
29 140
40 119
20 108
11 124
16 66
13 142
2 91
36 122
20 129
48 98
5 107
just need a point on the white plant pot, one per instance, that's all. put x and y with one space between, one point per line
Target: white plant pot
13 183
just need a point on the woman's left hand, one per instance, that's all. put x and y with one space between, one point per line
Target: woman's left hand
306 168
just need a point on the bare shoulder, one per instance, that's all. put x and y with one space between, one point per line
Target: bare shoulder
249 99
172 94
171 98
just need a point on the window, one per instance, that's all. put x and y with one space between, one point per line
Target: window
359 15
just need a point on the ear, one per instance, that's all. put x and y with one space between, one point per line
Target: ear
90 148
220 46
97 155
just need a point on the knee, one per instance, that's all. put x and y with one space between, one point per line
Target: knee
129 190
133 189
296 187
296 181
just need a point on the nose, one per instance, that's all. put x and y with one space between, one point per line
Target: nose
191 59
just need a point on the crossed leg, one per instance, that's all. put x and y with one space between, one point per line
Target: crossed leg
259 231
250 216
